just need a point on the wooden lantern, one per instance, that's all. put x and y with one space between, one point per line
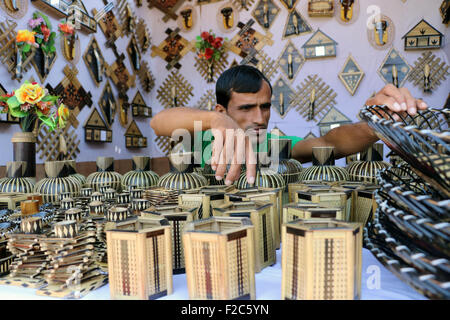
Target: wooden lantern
260 216
305 211
220 258
139 260
321 260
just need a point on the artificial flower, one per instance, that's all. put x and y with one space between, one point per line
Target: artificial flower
30 93
66 28
208 53
25 36
45 31
33 23
63 115
204 35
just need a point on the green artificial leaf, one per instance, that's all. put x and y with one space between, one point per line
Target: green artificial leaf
13 103
26 47
16 112
199 38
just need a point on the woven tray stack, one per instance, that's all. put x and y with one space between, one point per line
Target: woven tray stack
410 232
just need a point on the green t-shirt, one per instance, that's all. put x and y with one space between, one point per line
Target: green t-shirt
204 139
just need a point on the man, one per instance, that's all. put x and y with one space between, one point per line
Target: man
243 96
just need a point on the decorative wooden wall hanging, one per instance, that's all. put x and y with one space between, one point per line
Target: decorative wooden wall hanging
282 97
120 76
296 25
146 77
6 117
428 78
107 104
139 108
94 61
351 75
127 17
70 90
110 26
319 46
423 36
175 91
265 13
348 11
134 54
163 143
382 33
16 9
320 8
243 4
143 35
134 137
61 144
39 63
168 7
332 119
324 98
310 135
96 129
227 17
207 101
67 9
289 4
247 42
172 49
202 66
394 69
187 18
290 61
444 10
277 131
71 47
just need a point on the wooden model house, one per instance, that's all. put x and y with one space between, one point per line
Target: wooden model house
134 137
423 36
319 46
96 129
139 108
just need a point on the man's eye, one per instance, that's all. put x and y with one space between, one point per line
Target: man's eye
266 106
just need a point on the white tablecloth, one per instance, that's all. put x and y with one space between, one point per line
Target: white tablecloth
378 283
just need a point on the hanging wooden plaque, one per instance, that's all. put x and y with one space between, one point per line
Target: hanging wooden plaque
332 119
351 75
167 7
172 49
139 108
95 62
282 97
296 25
227 17
429 72
134 137
319 46
96 129
134 54
290 61
394 69
16 9
265 13
108 104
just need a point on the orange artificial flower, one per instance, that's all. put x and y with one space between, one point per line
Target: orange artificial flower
66 28
30 93
25 36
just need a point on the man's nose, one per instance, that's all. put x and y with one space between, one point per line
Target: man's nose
258 116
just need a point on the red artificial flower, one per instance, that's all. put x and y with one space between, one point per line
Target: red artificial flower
45 32
217 43
208 53
210 39
204 35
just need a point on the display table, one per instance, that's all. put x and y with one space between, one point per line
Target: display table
268 285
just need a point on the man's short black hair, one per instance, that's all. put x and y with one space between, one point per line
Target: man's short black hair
240 79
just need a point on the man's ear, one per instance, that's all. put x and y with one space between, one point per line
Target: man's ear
221 108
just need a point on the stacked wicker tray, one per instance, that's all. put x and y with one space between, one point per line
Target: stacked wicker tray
410 233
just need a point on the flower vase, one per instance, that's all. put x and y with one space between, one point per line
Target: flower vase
24 149
210 71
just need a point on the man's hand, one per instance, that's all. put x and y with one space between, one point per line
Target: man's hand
231 146
398 100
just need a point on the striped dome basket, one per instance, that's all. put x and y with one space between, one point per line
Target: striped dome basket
265 178
15 180
210 175
181 175
323 168
371 162
105 175
141 176
57 181
71 167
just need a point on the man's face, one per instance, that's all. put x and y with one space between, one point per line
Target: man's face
251 111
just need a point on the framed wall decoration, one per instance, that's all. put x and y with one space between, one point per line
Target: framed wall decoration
319 46
172 49
16 9
347 11
61 144
289 4
227 17
143 35
134 137
282 97
175 91
167 7
444 10
6 117
109 25
265 13
134 54
290 61
423 36
382 32
139 108
351 75
96 129
187 18
127 17
428 72
146 77
332 119
95 62
108 104
243 4
296 25
320 8
394 69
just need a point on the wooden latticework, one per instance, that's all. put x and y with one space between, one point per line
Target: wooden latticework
217 67
172 49
175 84
146 77
266 64
49 144
207 101
325 97
163 143
167 7
438 71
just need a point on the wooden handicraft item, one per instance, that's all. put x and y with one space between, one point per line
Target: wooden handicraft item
140 259
96 129
70 45
177 217
141 176
139 108
319 46
69 9
306 211
175 91
207 101
290 61
260 215
134 137
247 42
332 119
107 104
243 4
381 33
167 7
172 49
146 77
43 62
62 143
203 202
394 69
423 36
320 8
351 75
314 98
16 9
370 164
15 180
296 25
7 117
11 200
134 54
109 25
428 72
444 10
329 251
348 11
143 35
227 17
282 97
289 4
220 258
163 143
105 175
127 17
211 70
6 257
187 18
95 62
265 13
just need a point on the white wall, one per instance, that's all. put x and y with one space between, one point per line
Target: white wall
351 39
